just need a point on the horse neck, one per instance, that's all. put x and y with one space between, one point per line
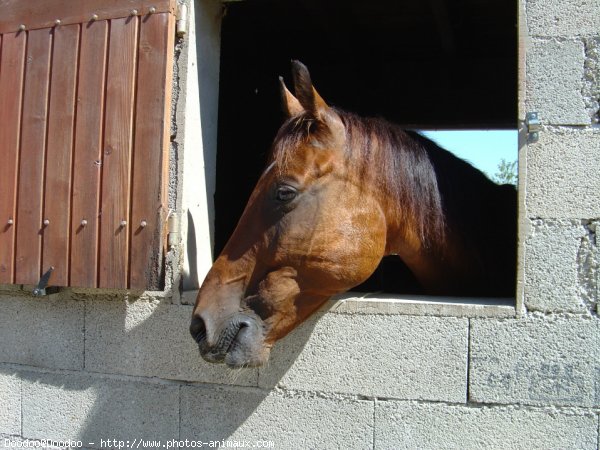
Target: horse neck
409 197
440 267
396 168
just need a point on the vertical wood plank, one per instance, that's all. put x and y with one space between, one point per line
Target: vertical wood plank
151 150
31 164
87 157
11 87
61 116
115 208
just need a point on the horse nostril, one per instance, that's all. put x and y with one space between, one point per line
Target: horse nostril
244 323
198 329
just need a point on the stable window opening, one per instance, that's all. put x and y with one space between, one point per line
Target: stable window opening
425 65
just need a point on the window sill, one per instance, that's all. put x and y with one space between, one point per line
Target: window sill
413 305
417 305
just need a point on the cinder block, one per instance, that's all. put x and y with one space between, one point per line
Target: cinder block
150 338
562 175
287 419
395 356
90 408
411 425
555 82
44 333
563 18
553 251
10 402
536 361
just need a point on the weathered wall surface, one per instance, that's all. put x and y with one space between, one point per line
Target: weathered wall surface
110 368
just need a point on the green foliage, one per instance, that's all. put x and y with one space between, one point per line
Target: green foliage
507 172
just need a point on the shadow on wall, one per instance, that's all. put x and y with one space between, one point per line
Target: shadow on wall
143 378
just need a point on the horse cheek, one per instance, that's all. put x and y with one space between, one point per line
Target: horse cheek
370 248
355 244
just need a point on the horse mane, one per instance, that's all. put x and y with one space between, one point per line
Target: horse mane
400 166
403 164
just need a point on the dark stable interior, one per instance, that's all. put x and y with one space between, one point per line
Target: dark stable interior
424 64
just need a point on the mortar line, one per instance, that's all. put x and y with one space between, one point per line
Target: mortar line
598 431
179 414
374 422
468 393
21 407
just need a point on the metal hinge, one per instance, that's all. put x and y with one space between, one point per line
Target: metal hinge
181 22
173 230
532 122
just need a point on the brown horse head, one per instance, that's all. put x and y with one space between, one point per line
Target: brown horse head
319 221
302 238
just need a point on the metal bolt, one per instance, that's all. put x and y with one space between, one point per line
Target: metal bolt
152 10
143 224
134 12
123 223
22 27
57 22
46 222
94 17
10 222
84 223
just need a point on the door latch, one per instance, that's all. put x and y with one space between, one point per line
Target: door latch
532 122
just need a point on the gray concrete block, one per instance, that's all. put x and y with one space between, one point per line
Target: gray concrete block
287 419
89 408
411 425
553 253
10 402
555 82
42 332
563 18
150 338
562 175
403 357
536 361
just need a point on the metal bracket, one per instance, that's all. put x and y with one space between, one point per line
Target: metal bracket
532 122
42 287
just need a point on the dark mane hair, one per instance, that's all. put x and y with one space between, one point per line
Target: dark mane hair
430 185
400 167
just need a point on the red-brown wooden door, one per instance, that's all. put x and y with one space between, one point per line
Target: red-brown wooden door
84 136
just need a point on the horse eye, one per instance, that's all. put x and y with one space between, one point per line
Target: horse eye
286 194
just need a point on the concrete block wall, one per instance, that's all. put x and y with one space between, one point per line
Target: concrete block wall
112 369
125 369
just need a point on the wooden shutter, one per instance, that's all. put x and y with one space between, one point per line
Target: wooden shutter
84 133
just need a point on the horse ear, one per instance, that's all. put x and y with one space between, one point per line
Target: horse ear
307 95
291 105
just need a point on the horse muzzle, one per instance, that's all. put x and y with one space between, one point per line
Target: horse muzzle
237 342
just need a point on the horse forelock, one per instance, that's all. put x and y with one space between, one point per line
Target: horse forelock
382 155
295 132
